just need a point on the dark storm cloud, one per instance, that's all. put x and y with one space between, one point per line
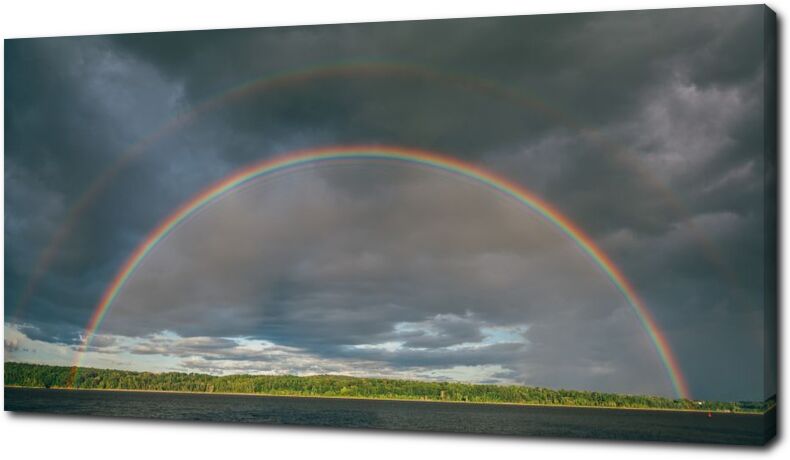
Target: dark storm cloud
441 331
181 347
645 128
47 331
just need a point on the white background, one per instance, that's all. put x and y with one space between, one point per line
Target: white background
28 436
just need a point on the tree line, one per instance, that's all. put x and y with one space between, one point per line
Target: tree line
44 376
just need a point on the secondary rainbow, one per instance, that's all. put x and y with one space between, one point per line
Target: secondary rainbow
411 156
242 92
345 69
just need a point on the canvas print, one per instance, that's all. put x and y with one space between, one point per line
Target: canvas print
552 225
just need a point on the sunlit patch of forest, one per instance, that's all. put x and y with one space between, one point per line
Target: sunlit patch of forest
43 376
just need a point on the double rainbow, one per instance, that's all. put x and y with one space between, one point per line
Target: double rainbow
409 156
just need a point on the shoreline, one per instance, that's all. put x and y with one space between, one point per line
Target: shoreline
362 398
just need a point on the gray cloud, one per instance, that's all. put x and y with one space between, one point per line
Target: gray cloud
181 347
10 345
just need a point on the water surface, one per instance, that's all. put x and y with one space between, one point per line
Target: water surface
643 425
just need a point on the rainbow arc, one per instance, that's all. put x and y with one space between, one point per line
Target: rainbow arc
422 158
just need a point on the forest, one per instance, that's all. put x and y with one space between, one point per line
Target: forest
44 376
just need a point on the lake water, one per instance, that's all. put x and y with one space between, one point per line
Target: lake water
399 415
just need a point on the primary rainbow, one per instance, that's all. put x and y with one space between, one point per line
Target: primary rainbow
410 156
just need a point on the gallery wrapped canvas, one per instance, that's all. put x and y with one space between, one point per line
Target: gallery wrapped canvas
554 225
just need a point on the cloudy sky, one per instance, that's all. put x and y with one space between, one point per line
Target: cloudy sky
646 129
